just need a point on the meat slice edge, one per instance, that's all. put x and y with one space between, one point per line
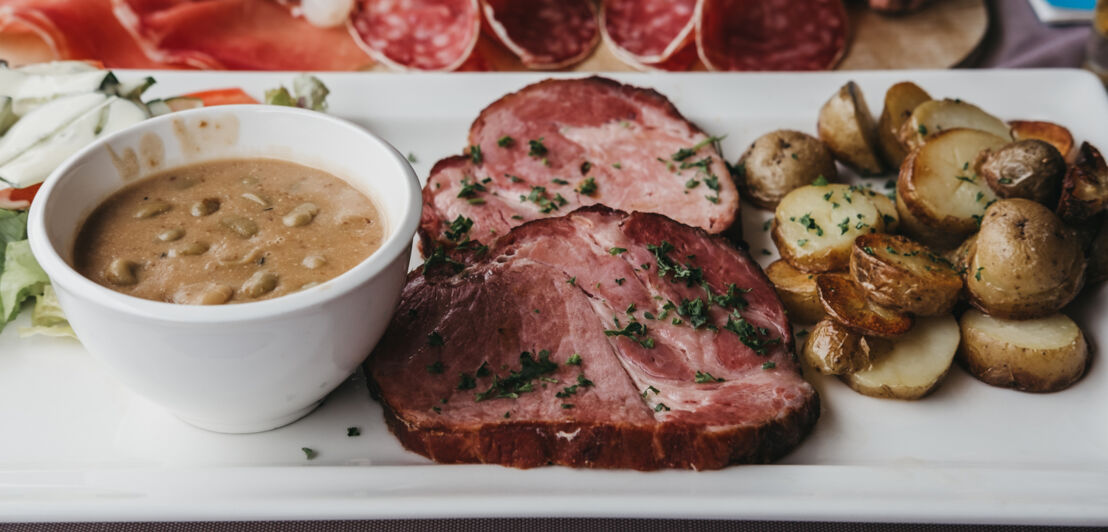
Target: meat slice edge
544 34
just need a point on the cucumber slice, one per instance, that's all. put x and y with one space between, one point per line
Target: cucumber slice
45 121
134 89
35 164
157 108
29 91
57 67
183 103
7 115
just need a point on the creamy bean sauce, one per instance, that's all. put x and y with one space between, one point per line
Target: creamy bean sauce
228 231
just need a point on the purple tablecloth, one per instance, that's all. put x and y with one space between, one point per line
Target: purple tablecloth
1015 39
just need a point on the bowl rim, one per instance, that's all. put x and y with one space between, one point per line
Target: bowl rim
65 276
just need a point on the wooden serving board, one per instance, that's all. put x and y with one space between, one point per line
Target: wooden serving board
941 35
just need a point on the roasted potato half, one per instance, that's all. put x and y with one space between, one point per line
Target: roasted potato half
1052 133
797 291
911 366
832 349
901 274
936 116
815 225
1026 264
780 161
845 302
847 127
1085 187
1030 169
939 196
959 257
1041 355
900 100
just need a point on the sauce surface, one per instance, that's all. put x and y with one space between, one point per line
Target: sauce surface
228 231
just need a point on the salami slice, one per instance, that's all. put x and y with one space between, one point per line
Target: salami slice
417 34
75 29
235 34
647 33
771 34
544 34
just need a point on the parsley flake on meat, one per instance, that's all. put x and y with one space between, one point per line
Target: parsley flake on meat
587 187
634 330
703 377
435 339
538 149
521 381
470 189
505 141
685 153
753 337
475 154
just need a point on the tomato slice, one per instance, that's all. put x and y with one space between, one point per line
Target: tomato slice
222 96
18 198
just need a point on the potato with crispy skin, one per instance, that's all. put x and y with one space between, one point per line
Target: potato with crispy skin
912 366
959 257
814 226
847 127
1054 134
1041 355
900 100
845 302
937 116
940 197
1026 264
779 162
1085 187
901 274
832 349
797 291
1030 169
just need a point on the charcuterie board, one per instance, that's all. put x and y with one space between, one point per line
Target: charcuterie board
79 446
942 35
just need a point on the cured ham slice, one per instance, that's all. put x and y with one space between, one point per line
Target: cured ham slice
75 29
417 34
647 33
236 35
771 34
544 34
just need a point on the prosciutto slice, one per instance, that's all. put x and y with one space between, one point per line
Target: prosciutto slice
236 35
771 34
544 34
417 34
647 33
76 29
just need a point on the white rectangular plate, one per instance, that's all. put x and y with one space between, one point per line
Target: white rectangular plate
74 445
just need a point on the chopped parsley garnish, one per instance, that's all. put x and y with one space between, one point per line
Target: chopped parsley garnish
516 217
767 225
470 189
738 170
587 187
505 141
619 282
648 390
810 224
967 179
648 315
557 181
696 312
977 274
574 360
802 242
891 250
712 182
617 166
769 364
713 199
766 252
820 181
827 197
634 330
572 280
888 219
411 157
309 453
795 158
692 183
753 337
868 250
458 228
518 382
844 225
475 154
566 406
436 409
513 178
435 339
733 299
484 370
353 431
1005 181
438 257
616 251
436 368
466 381
539 197
891 183
691 275
537 148
661 406
585 167
922 129
703 377
685 153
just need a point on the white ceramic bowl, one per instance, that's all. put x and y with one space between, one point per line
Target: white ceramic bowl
243 367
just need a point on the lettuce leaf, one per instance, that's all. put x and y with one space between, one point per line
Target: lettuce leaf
46 317
22 278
